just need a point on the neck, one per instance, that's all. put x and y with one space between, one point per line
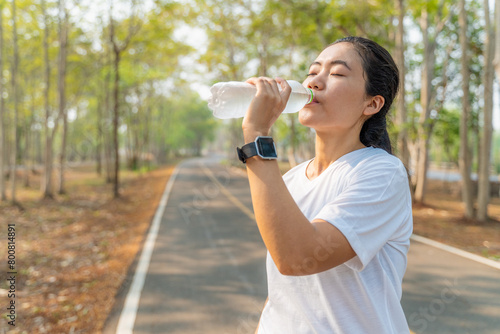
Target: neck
329 148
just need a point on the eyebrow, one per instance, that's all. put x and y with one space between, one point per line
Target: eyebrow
334 62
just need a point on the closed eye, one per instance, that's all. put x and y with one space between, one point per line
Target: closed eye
310 74
338 74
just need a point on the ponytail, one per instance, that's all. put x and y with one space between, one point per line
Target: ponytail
374 133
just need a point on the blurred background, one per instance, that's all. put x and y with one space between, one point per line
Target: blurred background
95 93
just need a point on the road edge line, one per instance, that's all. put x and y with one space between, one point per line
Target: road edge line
129 311
456 251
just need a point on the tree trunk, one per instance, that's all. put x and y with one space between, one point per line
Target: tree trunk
46 185
427 95
117 50
27 149
496 61
16 104
98 153
485 144
148 147
106 132
425 101
401 113
62 156
108 159
465 160
116 107
63 43
3 195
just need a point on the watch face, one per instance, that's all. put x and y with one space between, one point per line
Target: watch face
266 148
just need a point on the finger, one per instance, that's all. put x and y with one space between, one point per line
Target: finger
256 80
280 101
286 90
267 86
260 82
274 86
251 80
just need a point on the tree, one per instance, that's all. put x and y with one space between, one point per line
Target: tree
401 113
61 86
465 159
3 143
485 144
15 94
496 60
153 57
46 185
427 92
118 48
276 45
229 50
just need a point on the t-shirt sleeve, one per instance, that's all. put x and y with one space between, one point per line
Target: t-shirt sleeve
373 209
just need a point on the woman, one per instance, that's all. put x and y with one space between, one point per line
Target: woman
336 227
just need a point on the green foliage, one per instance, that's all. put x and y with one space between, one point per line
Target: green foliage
190 124
284 134
446 136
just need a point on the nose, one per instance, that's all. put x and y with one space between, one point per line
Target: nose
315 83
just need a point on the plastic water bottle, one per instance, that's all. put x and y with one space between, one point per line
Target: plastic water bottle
231 99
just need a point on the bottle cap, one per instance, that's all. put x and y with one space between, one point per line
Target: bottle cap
312 94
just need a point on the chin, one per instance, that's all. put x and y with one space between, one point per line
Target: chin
307 118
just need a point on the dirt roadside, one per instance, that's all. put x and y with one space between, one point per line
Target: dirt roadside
441 218
72 253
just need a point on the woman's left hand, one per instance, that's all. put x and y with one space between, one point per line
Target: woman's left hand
267 105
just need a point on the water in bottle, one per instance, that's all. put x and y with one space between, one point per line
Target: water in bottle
231 99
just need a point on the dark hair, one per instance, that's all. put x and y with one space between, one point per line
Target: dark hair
382 78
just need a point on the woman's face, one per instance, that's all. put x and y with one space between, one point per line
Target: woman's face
340 101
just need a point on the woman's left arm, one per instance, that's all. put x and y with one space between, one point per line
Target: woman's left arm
297 246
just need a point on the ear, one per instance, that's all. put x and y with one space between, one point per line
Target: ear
374 105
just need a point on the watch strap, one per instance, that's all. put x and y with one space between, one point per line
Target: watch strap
263 146
247 151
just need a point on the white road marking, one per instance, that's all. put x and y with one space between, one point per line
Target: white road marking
129 311
456 251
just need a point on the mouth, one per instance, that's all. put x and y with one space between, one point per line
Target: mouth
314 101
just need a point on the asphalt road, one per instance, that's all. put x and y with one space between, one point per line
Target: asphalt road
207 269
444 293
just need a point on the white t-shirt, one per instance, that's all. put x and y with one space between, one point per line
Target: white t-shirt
365 194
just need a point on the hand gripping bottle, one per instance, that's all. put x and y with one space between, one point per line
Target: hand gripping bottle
231 99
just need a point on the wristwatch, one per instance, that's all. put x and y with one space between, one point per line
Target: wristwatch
263 146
